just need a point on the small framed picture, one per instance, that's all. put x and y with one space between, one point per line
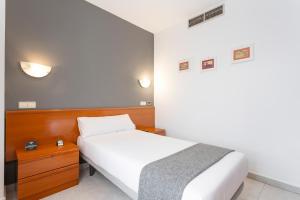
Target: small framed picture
184 65
243 54
208 64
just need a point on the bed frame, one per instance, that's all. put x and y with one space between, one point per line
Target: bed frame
113 179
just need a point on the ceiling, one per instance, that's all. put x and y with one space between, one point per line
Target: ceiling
154 15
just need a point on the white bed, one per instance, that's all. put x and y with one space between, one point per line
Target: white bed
121 156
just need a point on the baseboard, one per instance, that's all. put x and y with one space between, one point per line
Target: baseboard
274 183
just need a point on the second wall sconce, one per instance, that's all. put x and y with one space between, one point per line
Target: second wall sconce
145 83
35 70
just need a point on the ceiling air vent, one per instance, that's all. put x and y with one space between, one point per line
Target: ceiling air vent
196 20
214 12
207 16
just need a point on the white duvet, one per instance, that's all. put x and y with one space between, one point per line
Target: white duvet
124 154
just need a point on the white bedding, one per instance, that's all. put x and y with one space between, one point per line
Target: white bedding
124 154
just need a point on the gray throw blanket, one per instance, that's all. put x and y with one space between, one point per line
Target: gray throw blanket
167 178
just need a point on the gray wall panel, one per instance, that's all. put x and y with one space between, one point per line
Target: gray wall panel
97 56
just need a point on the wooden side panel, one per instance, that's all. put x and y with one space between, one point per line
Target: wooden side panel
47 125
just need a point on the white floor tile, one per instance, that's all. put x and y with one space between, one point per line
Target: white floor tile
91 187
11 192
272 193
252 190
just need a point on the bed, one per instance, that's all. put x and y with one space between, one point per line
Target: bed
121 154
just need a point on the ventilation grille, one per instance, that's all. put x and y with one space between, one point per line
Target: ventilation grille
206 16
196 20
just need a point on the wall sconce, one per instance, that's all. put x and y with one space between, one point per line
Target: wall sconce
35 70
145 83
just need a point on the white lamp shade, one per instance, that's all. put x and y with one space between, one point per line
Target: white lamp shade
145 83
35 70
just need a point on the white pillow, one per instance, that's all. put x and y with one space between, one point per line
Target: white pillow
90 126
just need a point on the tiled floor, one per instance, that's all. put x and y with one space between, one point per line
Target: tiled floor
255 190
99 188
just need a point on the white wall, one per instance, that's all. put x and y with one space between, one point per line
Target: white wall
2 39
253 107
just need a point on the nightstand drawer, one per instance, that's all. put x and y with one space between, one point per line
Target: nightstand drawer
41 185
34 167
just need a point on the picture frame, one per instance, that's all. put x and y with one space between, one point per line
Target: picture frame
184 65
208 64
243 53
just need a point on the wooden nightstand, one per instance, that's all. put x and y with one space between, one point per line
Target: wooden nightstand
157 131
47 170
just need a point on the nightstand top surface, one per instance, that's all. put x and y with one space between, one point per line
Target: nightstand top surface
150 129
45 150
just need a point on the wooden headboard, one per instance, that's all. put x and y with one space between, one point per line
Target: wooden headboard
49 125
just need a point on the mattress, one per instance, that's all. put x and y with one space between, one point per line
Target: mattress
124 154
